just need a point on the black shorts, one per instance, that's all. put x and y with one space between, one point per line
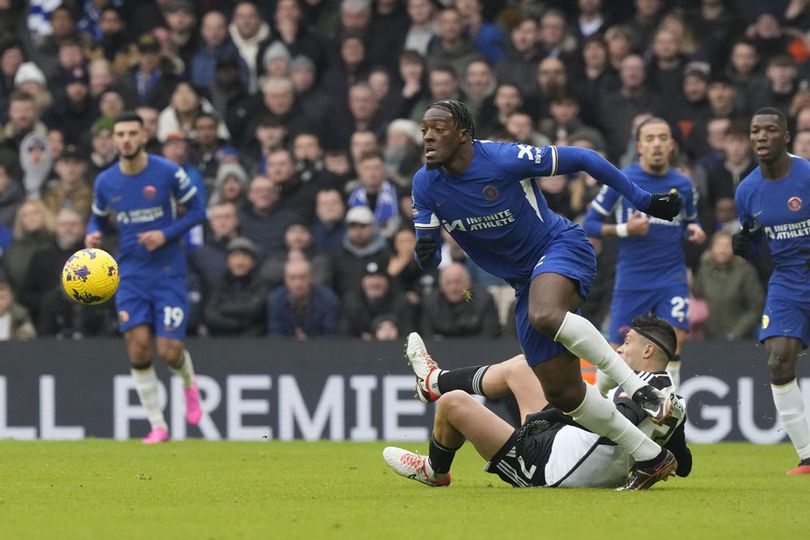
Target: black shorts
521 461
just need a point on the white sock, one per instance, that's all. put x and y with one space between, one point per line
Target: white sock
600 416
790 405
185 371
674 371
604 383
146 383
582 338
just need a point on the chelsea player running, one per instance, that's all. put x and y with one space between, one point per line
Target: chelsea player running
483 194
651 269
773 202
142 191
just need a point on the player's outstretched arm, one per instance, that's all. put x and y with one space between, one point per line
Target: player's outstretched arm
572 159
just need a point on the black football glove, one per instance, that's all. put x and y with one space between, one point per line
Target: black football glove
665 205
426 246
741 242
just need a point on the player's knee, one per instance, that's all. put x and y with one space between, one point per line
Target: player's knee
781 367
546 320
565 398
140 351
170 352
452 401
517 367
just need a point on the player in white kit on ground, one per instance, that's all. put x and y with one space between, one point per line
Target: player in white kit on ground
549 449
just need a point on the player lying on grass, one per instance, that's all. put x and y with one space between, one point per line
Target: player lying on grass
549 449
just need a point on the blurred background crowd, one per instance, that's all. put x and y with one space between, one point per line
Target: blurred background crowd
301 120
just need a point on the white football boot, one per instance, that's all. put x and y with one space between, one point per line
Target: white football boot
413 466
424 367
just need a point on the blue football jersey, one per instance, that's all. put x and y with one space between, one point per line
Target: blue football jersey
781 210
494 209
144 202
655 260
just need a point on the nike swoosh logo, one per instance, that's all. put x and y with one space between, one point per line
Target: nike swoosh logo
756 225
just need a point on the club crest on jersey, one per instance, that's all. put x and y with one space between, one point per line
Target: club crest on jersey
490 192
765 321
794 204
149 192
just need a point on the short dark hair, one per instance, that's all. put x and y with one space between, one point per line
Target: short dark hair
444 68
772 111
128 116
477 59
781 60
462 119
649 121
410 55
205 114
737 129
70 41
373 154
658 331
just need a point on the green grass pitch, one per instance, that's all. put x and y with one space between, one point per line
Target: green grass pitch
198 489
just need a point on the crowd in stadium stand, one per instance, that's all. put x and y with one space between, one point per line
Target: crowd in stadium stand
301 119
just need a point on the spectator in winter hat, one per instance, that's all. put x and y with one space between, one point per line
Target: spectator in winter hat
30 79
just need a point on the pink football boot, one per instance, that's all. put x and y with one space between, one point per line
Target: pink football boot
193 409
156 436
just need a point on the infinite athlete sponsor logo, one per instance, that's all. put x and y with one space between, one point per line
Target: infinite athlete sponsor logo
141 215
765 321
786 231
794 204
479 223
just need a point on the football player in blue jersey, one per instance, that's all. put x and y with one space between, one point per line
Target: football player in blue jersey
773 203
651 268
141 192
484 195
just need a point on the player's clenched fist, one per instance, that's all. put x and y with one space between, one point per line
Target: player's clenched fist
741 242
425 248
92 240
665 205
638 225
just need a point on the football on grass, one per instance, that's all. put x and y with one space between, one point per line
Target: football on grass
90 276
